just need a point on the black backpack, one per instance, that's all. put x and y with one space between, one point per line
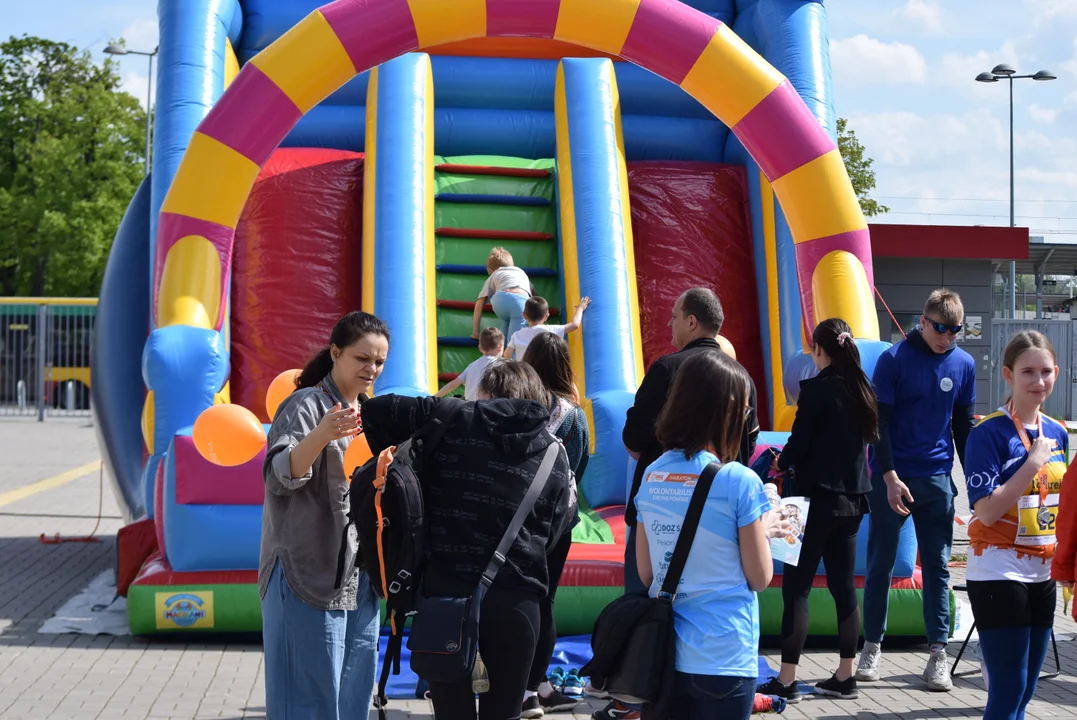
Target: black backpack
386 506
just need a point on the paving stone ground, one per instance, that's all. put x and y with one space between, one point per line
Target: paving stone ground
79 677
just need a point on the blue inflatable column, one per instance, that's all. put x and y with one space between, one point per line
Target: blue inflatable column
398 227
598 261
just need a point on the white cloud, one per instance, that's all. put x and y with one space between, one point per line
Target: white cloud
1046 10
864 60
958 69
953 168
1070 66
141 35
134 82
1071 99
1042 114
924 13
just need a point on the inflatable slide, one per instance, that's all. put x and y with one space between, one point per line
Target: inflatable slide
369 153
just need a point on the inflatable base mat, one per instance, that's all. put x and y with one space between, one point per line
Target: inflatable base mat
162 601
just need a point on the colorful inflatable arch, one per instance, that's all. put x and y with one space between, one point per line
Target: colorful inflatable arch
480 122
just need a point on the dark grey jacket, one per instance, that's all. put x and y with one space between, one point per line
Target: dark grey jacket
303 518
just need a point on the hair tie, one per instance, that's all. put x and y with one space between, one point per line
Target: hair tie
842 337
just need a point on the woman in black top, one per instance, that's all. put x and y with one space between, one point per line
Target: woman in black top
481 471
837 416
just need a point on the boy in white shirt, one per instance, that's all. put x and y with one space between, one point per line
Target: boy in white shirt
536 312
491 343
507 288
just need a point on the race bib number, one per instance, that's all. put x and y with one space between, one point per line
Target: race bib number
1036 521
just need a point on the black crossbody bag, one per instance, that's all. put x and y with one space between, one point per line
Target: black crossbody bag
634 642
444 636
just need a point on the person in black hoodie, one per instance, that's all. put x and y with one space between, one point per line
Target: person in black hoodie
837 416
480 472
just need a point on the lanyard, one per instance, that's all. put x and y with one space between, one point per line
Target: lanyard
1041 474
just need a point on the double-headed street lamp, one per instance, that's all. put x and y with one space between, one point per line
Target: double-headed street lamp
116 49
1005 72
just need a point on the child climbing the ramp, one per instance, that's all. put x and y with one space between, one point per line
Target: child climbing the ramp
491 345
536 312
507 288
1016 462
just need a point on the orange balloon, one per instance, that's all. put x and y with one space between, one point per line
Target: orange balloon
356 454
727 347
228 435
282 386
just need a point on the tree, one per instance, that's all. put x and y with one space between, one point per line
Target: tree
71 154
859 168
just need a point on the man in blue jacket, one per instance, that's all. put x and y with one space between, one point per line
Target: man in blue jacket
926 387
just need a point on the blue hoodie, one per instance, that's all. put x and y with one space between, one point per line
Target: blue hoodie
925 403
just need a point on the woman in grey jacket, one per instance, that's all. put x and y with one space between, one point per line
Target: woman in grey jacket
321 643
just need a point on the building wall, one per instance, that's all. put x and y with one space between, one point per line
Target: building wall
905 284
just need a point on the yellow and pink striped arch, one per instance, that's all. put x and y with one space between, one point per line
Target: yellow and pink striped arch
344 38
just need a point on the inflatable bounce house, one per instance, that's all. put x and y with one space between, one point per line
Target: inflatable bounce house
368 154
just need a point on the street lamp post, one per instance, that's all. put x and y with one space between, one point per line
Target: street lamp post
1005 72
117 49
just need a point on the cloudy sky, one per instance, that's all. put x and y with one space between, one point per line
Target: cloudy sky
903 75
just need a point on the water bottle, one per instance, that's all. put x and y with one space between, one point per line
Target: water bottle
480 680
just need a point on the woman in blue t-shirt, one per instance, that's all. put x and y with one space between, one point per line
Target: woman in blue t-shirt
1015 460
716 613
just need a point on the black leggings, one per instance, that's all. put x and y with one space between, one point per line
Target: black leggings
508 629
833 540
547 637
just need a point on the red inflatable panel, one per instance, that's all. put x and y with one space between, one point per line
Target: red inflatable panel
296 265
692 228
916 582
157 571
593 573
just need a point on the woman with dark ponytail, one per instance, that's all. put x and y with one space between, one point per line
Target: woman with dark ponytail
837 416
320 640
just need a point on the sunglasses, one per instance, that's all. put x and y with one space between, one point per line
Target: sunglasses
942 329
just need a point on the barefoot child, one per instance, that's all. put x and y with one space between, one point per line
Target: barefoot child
1016 460
491 344
536 312
507 289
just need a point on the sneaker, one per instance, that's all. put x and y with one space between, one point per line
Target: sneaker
616 710
870 659
555 701
776 687
571 685
556 678
841 689
591 691
532 708
937 672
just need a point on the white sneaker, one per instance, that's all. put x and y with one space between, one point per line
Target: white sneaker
870 659
937 672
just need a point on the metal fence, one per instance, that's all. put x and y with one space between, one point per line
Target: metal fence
45 356
1063 401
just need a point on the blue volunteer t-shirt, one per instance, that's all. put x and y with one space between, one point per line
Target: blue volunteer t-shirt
716 614
923 387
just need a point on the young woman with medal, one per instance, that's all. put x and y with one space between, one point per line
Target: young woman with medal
1016 459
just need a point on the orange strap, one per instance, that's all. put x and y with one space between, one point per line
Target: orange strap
384 460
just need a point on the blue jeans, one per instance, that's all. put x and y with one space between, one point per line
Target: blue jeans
712 697
932 512
319 663
509 308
